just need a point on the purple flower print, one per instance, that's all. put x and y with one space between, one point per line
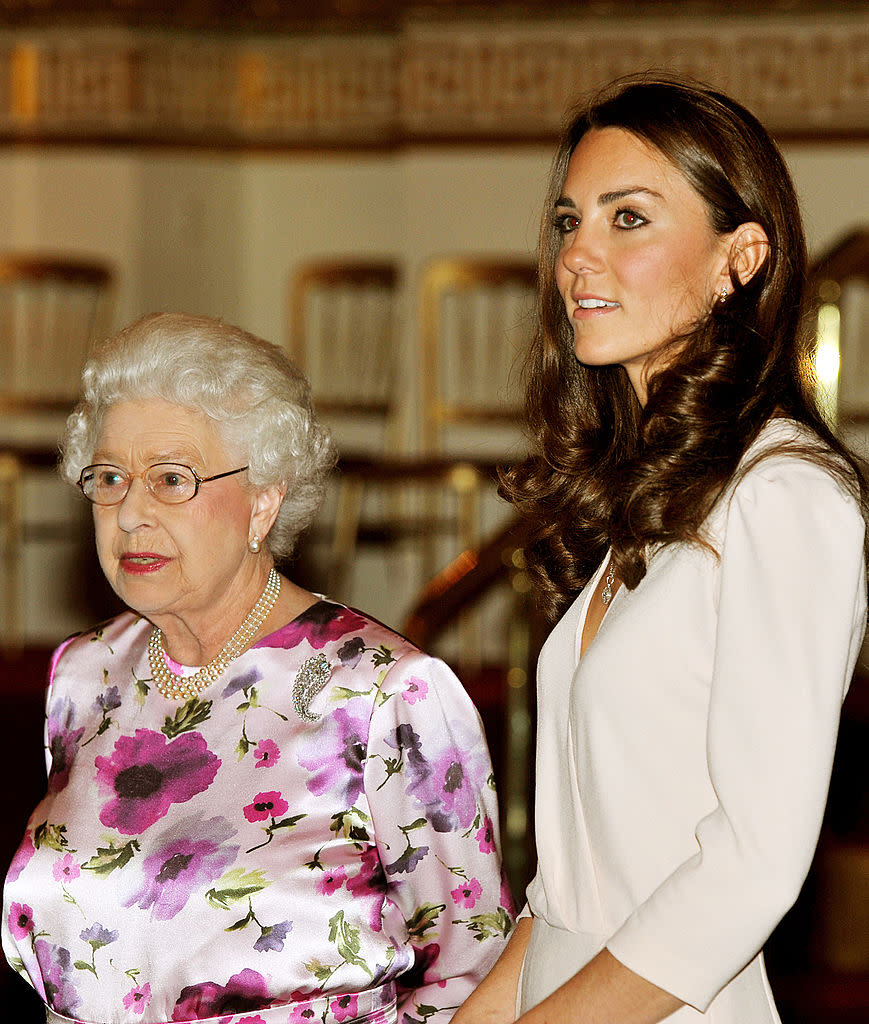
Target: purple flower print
345 1007
55 966
147 773
467 894
455 779
110 700
272 937
22 858
486 836
98 936
330 881
320 624
408 861
417 689
335 756
265 806
447 783
242 682
63 742
65 868
20 920
138 998
244 991
267 753
350 652
187 856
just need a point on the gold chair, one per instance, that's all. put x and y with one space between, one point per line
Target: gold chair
476 321
50 311
342 335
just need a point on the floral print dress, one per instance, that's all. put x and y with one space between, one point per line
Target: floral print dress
312 839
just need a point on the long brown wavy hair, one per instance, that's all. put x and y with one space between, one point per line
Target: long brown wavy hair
602 470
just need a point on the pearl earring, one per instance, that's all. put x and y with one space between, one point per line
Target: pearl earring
253 544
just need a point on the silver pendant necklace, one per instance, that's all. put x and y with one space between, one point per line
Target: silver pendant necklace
606 595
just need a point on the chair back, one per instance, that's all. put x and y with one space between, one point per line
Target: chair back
342 335
51 309
476 323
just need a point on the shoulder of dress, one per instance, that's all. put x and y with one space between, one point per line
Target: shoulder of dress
111 637
378 634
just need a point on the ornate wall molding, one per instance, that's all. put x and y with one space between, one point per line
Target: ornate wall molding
428 81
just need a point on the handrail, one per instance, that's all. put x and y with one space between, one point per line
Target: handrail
847 258
463 581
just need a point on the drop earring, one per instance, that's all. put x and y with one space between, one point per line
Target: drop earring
723 295
253 544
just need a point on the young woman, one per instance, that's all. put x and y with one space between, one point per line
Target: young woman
701 532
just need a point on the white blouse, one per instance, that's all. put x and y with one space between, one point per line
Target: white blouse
683 763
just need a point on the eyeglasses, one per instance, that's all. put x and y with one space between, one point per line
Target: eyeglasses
169 482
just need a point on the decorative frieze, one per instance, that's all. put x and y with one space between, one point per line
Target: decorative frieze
455 80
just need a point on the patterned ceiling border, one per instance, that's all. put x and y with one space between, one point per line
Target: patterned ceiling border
429 82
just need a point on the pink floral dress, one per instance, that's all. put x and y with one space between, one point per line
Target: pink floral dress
313 839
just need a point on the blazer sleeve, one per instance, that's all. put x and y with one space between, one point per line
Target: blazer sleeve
791 611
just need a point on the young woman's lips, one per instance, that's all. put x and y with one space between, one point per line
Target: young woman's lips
588 307
140 563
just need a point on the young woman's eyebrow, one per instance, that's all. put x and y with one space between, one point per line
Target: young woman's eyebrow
605 198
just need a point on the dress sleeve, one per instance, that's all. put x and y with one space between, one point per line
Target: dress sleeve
791 614
428 778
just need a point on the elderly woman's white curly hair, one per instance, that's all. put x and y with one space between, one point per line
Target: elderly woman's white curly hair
260 401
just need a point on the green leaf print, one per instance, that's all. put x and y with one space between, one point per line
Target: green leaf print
488 926
322 972
98 637
140 690
236 885
423 918
351 824
243 923
53 836
382 656
107 858
347 941
345 693
188 717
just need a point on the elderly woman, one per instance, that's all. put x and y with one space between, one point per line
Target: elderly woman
262 806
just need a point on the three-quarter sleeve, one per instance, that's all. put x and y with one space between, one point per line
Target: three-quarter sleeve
790 616
428 781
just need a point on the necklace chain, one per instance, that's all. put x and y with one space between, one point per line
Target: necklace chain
178 687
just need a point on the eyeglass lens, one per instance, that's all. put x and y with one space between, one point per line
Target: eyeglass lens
168 482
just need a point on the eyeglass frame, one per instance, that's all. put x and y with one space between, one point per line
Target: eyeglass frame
199 481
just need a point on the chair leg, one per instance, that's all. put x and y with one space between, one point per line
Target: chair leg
347 516
11 552
467 483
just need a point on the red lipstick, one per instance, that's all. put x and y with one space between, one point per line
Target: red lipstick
141 563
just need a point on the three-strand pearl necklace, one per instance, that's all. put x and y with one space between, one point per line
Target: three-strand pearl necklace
178 687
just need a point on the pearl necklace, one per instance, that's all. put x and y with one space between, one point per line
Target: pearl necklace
177 687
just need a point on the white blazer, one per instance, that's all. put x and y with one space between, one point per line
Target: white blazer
683 763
